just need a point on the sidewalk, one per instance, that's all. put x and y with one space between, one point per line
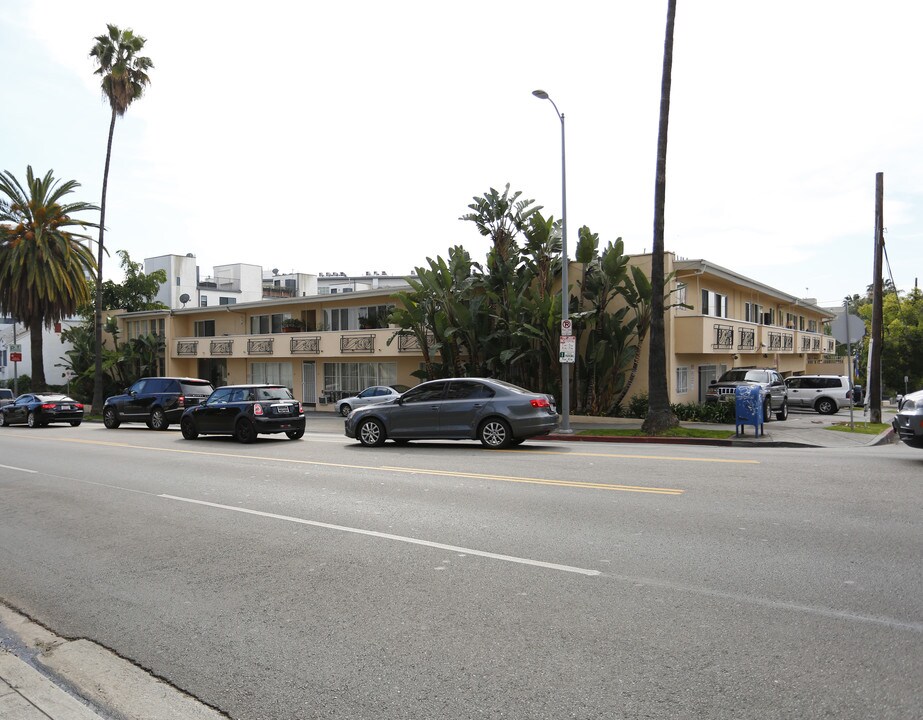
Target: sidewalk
40 671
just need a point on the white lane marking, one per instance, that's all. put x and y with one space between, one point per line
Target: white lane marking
389 536
18 469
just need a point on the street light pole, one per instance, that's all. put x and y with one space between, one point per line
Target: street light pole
565 293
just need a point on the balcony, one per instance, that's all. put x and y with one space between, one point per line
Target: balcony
698 334
293 345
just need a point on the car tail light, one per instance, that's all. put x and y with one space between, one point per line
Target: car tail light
181 401
257 409
540 403
79 406
300 409
47 406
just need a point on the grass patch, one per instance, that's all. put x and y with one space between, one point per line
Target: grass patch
865 428
679 432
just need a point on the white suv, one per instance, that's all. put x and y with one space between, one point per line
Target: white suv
825 393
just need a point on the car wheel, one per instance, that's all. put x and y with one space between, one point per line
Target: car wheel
244 431
75 423
187 427
370 433
158 420
2 419
783 413
767 411
345 409
295 434
825 406
111 418
495 433
32 421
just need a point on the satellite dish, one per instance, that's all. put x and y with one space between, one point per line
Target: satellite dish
275 271
184 298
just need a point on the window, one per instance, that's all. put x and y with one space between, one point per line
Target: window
264 324
714 304
790 320
227 301
682 380
205 328
272 373
468 390
375 316
753 312
428 393
812 326
353 377
203 301
681 293
177 281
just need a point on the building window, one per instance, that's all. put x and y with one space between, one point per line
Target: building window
272 373
177 280
264 324
355 377
203 301
714 304
682 380
753 312
227 301
681 293
205 328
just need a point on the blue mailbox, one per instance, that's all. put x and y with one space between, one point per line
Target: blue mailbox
748 408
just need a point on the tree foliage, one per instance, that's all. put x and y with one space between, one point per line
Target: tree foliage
902 330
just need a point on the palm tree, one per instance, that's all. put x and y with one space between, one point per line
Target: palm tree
659 415
43 265
124 78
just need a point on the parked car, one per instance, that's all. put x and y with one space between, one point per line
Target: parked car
774 392
825 393
370 396
496 413
908 423
156 401
245 411
39 410
6 396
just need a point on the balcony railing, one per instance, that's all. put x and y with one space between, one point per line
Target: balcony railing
221 347
305 345
260 346
357 343
788 342
747 338
187 347
775 342
724 337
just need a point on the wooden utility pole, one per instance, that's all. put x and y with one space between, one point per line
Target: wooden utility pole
874 377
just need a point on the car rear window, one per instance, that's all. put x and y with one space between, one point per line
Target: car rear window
280 393
196 388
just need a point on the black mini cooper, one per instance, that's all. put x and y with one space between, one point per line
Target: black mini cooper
245 411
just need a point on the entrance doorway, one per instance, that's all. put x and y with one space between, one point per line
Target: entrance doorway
309 384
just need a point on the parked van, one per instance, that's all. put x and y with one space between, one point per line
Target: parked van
825 393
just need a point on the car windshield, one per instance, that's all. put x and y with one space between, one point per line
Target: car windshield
760 376
279 393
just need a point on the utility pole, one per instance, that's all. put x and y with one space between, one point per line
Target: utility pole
874 376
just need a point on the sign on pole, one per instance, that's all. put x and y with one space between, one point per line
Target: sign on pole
567 328
568 349
15 357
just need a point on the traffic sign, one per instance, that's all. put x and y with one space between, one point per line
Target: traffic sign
567 328
568 349
15 347
15 357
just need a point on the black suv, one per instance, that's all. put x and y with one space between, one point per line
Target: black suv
245 411
157 401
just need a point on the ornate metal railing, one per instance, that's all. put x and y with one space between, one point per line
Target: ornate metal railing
357 343
724 337
788 342
260 346
775 341
305 345
815 346
187 347
747 339
805 344
408 343
221 347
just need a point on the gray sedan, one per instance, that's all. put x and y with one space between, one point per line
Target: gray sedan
370 396
908 423
496 413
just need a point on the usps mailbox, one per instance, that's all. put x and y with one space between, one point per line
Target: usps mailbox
748 408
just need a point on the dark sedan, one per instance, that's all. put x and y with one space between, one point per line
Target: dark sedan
908 423
39 410
496 413
245 411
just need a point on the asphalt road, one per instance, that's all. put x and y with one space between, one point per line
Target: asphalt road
319 579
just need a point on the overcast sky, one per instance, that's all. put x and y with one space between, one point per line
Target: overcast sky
351 136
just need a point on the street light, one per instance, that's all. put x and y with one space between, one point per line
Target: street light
565 366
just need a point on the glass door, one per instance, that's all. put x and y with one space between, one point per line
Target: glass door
309 384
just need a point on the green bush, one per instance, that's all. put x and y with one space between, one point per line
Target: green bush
637 406
722 413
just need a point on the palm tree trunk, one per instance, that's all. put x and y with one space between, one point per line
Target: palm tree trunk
38 356
659 416
98 375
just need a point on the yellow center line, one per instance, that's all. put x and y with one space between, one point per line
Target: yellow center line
380 468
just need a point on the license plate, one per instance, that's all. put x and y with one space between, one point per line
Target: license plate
284 410
65 407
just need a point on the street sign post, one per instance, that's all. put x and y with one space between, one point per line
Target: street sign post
567 328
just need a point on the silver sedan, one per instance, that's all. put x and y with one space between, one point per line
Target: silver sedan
370 396
496 413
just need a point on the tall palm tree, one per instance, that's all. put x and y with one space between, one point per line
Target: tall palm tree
124 77
43 265
659 415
